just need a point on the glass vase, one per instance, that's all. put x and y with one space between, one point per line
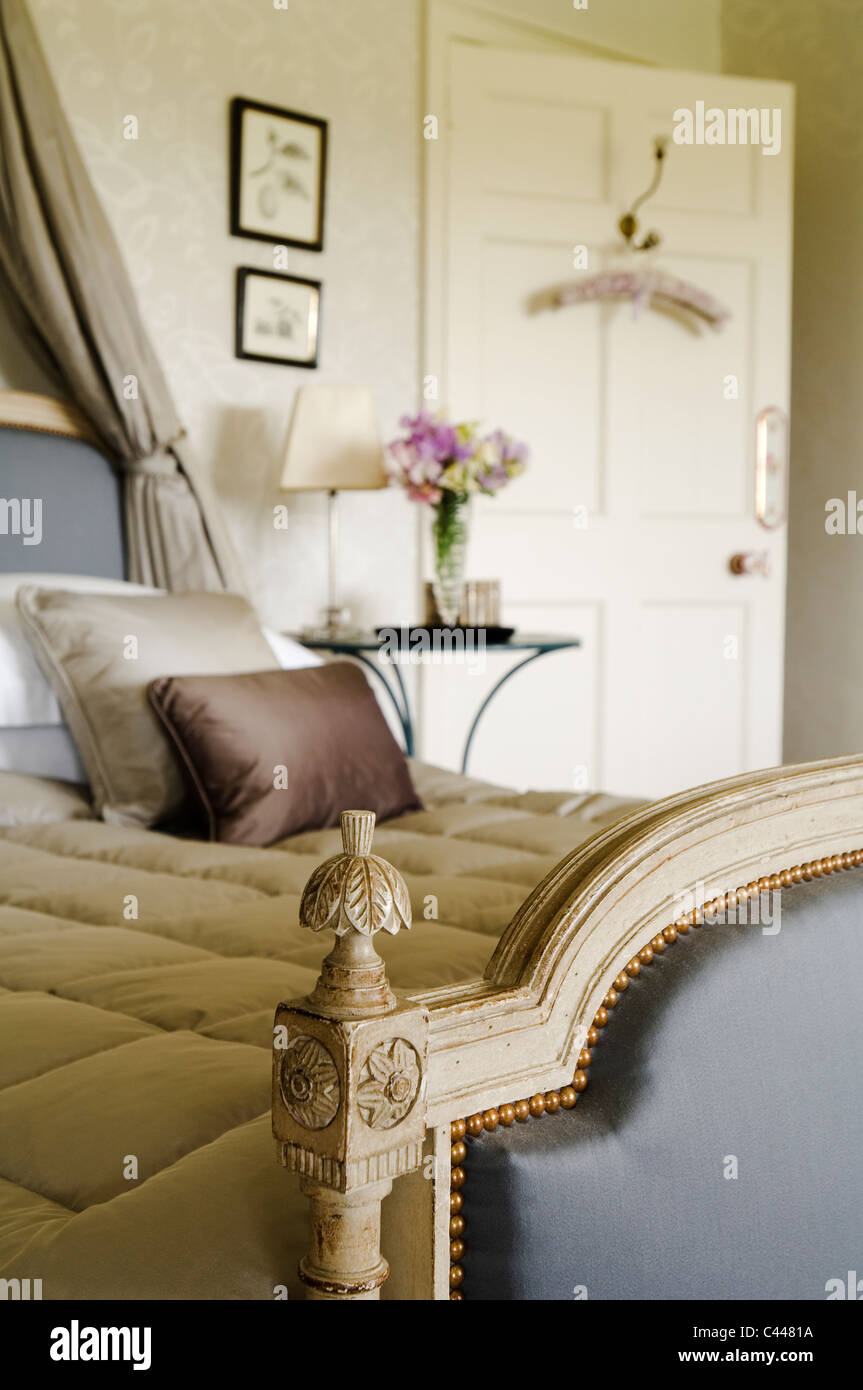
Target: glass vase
449 543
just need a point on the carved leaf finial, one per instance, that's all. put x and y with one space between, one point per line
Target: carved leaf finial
356 890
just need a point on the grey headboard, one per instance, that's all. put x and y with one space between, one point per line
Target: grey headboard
61 506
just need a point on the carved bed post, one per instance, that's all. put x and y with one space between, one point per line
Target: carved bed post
349 1071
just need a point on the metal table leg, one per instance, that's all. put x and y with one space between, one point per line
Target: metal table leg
401 707
490 696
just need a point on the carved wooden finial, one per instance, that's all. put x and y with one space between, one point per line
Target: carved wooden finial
356 890
355 894
349 1069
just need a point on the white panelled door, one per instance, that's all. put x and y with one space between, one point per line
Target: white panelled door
642 482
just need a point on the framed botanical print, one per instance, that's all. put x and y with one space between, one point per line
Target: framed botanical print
278 317
278 173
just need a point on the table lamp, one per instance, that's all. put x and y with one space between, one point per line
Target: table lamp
334 444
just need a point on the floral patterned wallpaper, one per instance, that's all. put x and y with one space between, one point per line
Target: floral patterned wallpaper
818 47
175 64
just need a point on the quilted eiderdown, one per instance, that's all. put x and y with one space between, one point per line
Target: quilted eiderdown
138 979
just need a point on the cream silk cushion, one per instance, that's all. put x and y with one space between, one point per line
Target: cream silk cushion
100 651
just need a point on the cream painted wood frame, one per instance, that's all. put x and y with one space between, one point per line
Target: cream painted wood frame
26 410
519 1030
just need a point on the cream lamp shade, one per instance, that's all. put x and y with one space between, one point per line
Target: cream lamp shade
334 441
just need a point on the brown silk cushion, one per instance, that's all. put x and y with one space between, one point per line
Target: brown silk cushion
239 735
100 651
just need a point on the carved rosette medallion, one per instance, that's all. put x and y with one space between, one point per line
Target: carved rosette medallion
389 1083
309 1083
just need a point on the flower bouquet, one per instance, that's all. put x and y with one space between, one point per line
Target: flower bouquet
444 465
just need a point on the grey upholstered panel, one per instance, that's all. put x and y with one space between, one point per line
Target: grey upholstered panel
732 1043
41 750
82 528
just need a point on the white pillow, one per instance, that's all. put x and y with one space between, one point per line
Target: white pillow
26 698
291 655
72 583
34 739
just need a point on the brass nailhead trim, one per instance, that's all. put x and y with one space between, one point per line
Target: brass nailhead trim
549 1102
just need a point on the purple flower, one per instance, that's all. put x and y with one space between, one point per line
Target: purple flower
494 478
436 455
433 439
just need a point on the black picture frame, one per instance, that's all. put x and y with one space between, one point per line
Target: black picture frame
247 272
239 107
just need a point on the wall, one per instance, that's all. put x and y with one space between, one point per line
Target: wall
818 48
175 64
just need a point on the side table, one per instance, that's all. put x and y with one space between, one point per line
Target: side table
361 646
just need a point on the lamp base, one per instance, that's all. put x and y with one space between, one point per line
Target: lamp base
336 627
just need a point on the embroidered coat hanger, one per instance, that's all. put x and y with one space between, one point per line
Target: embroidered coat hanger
648 288
652 289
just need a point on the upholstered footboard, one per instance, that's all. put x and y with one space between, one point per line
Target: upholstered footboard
713 936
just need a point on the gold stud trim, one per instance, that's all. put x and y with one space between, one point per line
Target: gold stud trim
549 1102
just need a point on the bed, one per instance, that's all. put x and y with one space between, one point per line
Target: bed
690 959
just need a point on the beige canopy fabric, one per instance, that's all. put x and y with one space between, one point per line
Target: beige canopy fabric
66 290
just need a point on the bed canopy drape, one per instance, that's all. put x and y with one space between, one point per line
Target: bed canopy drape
65 288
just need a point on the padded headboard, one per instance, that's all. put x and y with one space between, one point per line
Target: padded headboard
50 463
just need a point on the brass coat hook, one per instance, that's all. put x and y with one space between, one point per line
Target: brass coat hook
628 223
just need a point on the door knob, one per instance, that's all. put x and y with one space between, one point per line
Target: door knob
750 562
